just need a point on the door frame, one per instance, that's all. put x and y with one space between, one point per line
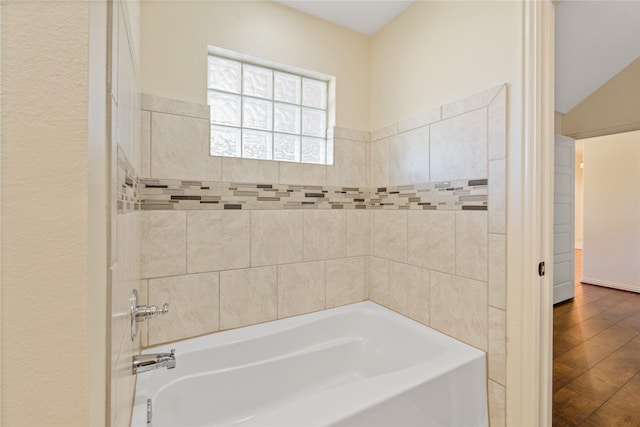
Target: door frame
530 221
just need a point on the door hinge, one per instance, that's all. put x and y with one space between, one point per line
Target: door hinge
541 269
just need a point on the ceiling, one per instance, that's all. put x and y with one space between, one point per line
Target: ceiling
595 39
363 16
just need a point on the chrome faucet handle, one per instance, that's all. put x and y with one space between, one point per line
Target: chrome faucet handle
140 313
144 312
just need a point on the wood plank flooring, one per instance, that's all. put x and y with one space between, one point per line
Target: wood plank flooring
596 357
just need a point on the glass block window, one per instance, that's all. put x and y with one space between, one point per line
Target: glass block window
259 112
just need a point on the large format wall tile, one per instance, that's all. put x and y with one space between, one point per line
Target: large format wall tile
325 234
180 148
218 240
497 346
390 234
248 296
497 213
350 164
300 288
357 232
432 240
145 144
409 291
175 106
472 244
497 126
473 102
458 307
302 174
379 163
409 157
459 147
249 170
497 196
384 132
276 237
497 404
497 270
351 134
163 241
379 280
143 299
420 120
193 306
345 281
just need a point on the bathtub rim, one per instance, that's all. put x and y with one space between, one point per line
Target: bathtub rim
457 354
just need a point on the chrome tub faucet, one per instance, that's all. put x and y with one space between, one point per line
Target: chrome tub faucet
150 362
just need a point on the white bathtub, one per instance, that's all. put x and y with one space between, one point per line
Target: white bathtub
354 365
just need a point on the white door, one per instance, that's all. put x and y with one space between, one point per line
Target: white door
563 219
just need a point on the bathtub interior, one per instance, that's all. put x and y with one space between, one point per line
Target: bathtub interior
257 373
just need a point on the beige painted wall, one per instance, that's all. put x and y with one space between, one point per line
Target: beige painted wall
45 354
176 34
97 226
611 254
436 52
0 214
613 108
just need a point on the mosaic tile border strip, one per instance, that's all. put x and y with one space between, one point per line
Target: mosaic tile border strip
167 194
463 195
127 186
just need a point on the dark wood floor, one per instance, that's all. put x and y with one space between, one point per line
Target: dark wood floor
596 357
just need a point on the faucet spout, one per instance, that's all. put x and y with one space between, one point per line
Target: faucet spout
150 362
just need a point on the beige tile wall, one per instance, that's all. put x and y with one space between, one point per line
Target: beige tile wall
263 264
175 145
124 254
445 269
266 268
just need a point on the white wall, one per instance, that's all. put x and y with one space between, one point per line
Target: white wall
611 254
175 37
45 342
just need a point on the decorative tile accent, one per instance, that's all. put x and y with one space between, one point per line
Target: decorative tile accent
167 194
127 198
449 195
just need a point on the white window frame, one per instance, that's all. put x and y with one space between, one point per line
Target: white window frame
279 67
